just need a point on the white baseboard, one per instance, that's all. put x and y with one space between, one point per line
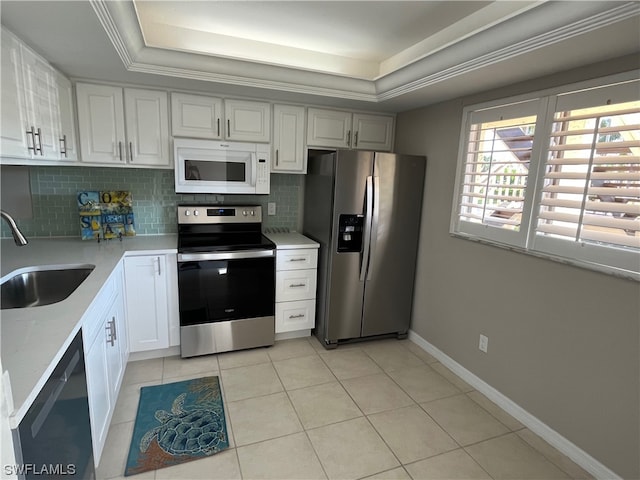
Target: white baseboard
575 453
163 352
295 334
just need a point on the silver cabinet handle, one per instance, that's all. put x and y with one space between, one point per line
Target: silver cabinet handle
218 122
120 150
40 141
277 158
291 317
297 259
131 152
159 266
297 285
348 138
355 140
63 145
228 128
111 331
32 132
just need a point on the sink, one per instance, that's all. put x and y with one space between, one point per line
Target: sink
36 286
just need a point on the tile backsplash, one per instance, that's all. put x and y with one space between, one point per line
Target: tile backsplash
55 214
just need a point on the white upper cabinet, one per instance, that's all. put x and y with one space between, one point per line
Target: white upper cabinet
196 116
123 126
37 117
288 139
328 128
373 132
247 121
340 129
200 116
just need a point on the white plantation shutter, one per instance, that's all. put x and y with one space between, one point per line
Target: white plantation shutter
557 176
591 188
493 197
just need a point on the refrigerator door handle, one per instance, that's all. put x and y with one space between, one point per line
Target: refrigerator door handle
373 230
367 228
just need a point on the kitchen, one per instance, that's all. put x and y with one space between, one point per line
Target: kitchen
437 316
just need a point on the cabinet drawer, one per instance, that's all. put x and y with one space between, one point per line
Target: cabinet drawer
291 316
298 259
295 285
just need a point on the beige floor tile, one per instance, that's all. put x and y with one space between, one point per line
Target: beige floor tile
315 343
411 434
452 377
376 393
558 459
116 449
143 371
127 404
323 404
177 366
291 457
504 418
423 384
463 419
263 418
419 352
221 466
451 465
510 457
243 358
390 355
347 364
393 474
351 449
251 381
295 347
303 372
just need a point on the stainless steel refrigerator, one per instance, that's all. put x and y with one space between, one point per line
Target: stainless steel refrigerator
364 209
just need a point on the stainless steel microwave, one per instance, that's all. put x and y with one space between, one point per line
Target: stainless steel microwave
210 166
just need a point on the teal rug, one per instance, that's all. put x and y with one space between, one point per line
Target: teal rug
177 422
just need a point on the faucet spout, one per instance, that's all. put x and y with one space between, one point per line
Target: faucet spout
15 231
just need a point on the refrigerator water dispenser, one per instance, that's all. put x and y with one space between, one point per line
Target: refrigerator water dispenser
350 233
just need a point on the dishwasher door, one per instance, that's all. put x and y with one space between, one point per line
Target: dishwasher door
53 440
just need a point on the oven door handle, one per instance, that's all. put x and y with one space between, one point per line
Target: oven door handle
198 257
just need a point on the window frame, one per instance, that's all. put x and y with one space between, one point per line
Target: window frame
619 261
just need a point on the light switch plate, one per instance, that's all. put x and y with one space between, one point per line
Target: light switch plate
271 208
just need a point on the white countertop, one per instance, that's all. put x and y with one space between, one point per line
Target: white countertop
290 240
34 339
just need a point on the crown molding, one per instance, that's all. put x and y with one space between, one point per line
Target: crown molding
542 26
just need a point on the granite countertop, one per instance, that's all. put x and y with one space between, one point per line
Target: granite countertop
290 240
34 339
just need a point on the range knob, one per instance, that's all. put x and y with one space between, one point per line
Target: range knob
195 212
244 213
253 214
187 213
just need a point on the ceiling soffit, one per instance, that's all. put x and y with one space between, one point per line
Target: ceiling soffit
427 63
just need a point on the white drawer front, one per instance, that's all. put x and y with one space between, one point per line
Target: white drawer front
298 259
292 316
295 285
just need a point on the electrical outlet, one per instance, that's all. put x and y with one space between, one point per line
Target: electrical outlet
271 208
484 343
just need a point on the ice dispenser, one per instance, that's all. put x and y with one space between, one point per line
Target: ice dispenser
350 233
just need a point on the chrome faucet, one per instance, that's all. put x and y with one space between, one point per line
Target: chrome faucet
15 231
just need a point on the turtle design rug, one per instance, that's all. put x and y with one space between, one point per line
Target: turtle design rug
177 422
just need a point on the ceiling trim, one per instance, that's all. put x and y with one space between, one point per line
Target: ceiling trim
519 35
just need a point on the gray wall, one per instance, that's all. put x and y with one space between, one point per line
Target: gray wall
563 341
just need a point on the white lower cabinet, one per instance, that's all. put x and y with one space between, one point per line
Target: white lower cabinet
296 279
151 301
106 354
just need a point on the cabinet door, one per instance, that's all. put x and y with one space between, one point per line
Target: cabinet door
288 139
101 123
114 343
67 134
295 285
247 121
100 404
196 116
41 94
13 134
373 132
146 300
147 124
292 316
328 128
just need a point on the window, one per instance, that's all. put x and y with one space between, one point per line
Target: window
557 175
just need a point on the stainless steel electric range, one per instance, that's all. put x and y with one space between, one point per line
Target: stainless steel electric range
226 279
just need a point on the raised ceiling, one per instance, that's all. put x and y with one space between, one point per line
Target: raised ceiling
387 56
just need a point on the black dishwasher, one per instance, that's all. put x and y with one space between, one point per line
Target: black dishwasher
53 439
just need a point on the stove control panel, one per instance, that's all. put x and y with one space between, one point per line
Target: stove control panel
204 214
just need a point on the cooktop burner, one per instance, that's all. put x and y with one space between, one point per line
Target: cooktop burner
215 228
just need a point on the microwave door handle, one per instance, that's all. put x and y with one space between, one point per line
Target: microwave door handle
254 169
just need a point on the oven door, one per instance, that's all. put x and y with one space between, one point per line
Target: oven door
217 287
